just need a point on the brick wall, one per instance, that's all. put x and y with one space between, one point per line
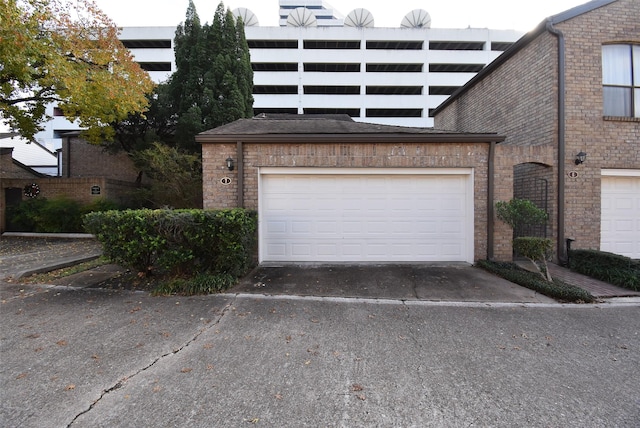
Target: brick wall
330 155
77 189
81 159
519 100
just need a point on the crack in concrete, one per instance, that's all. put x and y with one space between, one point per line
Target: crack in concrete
119 384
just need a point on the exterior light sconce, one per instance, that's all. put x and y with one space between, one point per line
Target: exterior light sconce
230 164
581 157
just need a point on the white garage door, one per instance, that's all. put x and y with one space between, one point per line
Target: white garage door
620 231
336 215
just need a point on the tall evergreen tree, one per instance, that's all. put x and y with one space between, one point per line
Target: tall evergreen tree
213 81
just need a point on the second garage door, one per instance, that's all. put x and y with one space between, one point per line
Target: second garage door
366 215
620 231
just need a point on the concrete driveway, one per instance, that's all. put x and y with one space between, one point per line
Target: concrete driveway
96 358
433 282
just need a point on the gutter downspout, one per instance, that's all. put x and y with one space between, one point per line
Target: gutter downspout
239 155
561 251
68 139
490 196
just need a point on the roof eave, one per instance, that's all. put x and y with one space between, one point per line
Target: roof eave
349 138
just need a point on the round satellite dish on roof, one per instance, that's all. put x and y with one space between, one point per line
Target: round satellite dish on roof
248 17
301 17
417 18
360 18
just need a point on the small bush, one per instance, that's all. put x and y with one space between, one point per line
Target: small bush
178 243
24 217
556 289
60 215
612 268
100 204
55 215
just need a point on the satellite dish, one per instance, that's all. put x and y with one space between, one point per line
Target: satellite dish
360 18
417 18
248 17
301 17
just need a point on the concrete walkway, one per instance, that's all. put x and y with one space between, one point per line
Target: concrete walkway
598 289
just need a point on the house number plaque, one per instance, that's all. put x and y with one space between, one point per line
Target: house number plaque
573 174
225 181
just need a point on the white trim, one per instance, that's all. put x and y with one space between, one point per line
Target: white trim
620 172
366 171
470 203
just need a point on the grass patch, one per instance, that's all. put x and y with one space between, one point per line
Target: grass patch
203 283
557 289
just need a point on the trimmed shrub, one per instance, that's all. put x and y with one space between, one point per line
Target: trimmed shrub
556 289
612 268
25 216
517 212
179 242
55 215
60 215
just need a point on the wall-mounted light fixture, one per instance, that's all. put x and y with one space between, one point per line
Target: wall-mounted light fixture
230 164
581 157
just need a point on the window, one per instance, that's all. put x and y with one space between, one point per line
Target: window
455 68
395 45
274 66
394 68
332 90
442 90
394 90
155 66
331 44
272 44
394 112
147 44
455 46
621 80
275 89
331 67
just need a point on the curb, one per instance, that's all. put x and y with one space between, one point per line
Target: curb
49 235
60 264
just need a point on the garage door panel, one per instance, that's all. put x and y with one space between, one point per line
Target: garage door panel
365 218
620 216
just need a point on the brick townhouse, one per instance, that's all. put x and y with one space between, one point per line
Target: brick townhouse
570 87
329 189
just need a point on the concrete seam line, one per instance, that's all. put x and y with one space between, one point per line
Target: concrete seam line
120 383
433 303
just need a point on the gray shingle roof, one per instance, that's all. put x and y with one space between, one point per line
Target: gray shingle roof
315 128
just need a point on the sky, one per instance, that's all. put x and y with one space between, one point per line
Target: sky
521 15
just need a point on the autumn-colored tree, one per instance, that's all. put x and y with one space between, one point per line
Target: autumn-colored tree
66 52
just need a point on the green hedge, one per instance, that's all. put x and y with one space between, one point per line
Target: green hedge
55 215
556 289
612 268
177 242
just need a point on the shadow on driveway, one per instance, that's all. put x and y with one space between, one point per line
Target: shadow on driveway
433 282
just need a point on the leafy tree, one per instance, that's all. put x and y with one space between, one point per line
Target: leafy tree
66 52
177 176
518 212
